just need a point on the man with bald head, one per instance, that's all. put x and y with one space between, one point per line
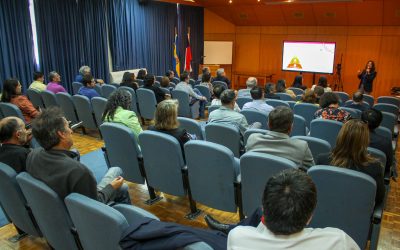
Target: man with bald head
14 138
250 83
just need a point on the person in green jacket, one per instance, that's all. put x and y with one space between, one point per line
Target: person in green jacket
118 111
38 83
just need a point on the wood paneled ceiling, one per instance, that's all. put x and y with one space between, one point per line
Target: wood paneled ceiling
304 12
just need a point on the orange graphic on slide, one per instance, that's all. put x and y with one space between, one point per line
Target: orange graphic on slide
295 63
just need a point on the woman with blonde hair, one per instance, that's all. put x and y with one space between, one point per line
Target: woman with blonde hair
166 121
351 152
309 96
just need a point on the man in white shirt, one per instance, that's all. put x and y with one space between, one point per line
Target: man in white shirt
250 83
289 200
258 102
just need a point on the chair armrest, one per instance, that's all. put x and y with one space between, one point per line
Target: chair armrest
131 212
378 212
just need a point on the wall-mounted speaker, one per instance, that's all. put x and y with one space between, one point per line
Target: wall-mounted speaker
143 1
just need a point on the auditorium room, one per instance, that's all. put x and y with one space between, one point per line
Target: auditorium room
199 124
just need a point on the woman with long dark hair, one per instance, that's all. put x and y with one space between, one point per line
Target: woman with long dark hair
351 152
12 93
128 80
367 77
118 111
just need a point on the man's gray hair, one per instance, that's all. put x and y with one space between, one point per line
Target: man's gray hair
84 69
220 71
52 74
280 119
251 82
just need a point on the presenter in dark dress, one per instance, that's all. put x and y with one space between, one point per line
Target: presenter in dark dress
367 77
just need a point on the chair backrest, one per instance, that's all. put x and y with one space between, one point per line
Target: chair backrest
49 99
346 200
253 116
67 106
184 102
215 83
35 97
9 109
256 169
192 82
140 82
343 97
212 108
107 90
299 97
355 113
134 105
390 108
299 126
277 103
147 103
204 91
191 126
159 78
316 145
379 155
296 91
75 87
389 121
165 90
157 84
364 103
284 96
98 105
389 100
100 227
326 130
163 172
49 211
241 101
291 104
226 135
176 80
385 132
84 111
13 202
306 110
122 150
97 87
211 174
251 131
369 99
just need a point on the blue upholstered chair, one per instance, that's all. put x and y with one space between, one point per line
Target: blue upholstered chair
75 87
147 103
14 203
204 91
306 110
134 103
343 97
215 83
276 103
299 126
316 145
107 89
348 206
326 130
253 116
67 106
241 101
84 111
212 108
9 109
251 131
49 99
389 100
192 127
50 213
284 96
184 108
390 108
296 91
35 97
355 113
369 99
224 134
98 105
256 169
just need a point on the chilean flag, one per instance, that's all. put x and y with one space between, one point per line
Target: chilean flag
188 55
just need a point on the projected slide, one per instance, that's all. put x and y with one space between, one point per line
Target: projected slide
315 57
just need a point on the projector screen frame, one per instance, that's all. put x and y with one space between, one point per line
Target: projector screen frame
303 71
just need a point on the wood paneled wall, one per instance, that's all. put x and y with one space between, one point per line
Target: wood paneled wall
258 49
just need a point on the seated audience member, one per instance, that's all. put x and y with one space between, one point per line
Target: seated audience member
38 84
194 95
298 82
322 82
85 70
329 104
14 139
141 74
205 70
226 115
258 102
288 204
117 110
55 83
149 84
166 121
250 83
276 141
56 166
12 94
218 89
270 91
221 77
351 152
358 102
309 96
170 74
319 91
166 83
128 80
88 87
373 118
281 88
206 81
